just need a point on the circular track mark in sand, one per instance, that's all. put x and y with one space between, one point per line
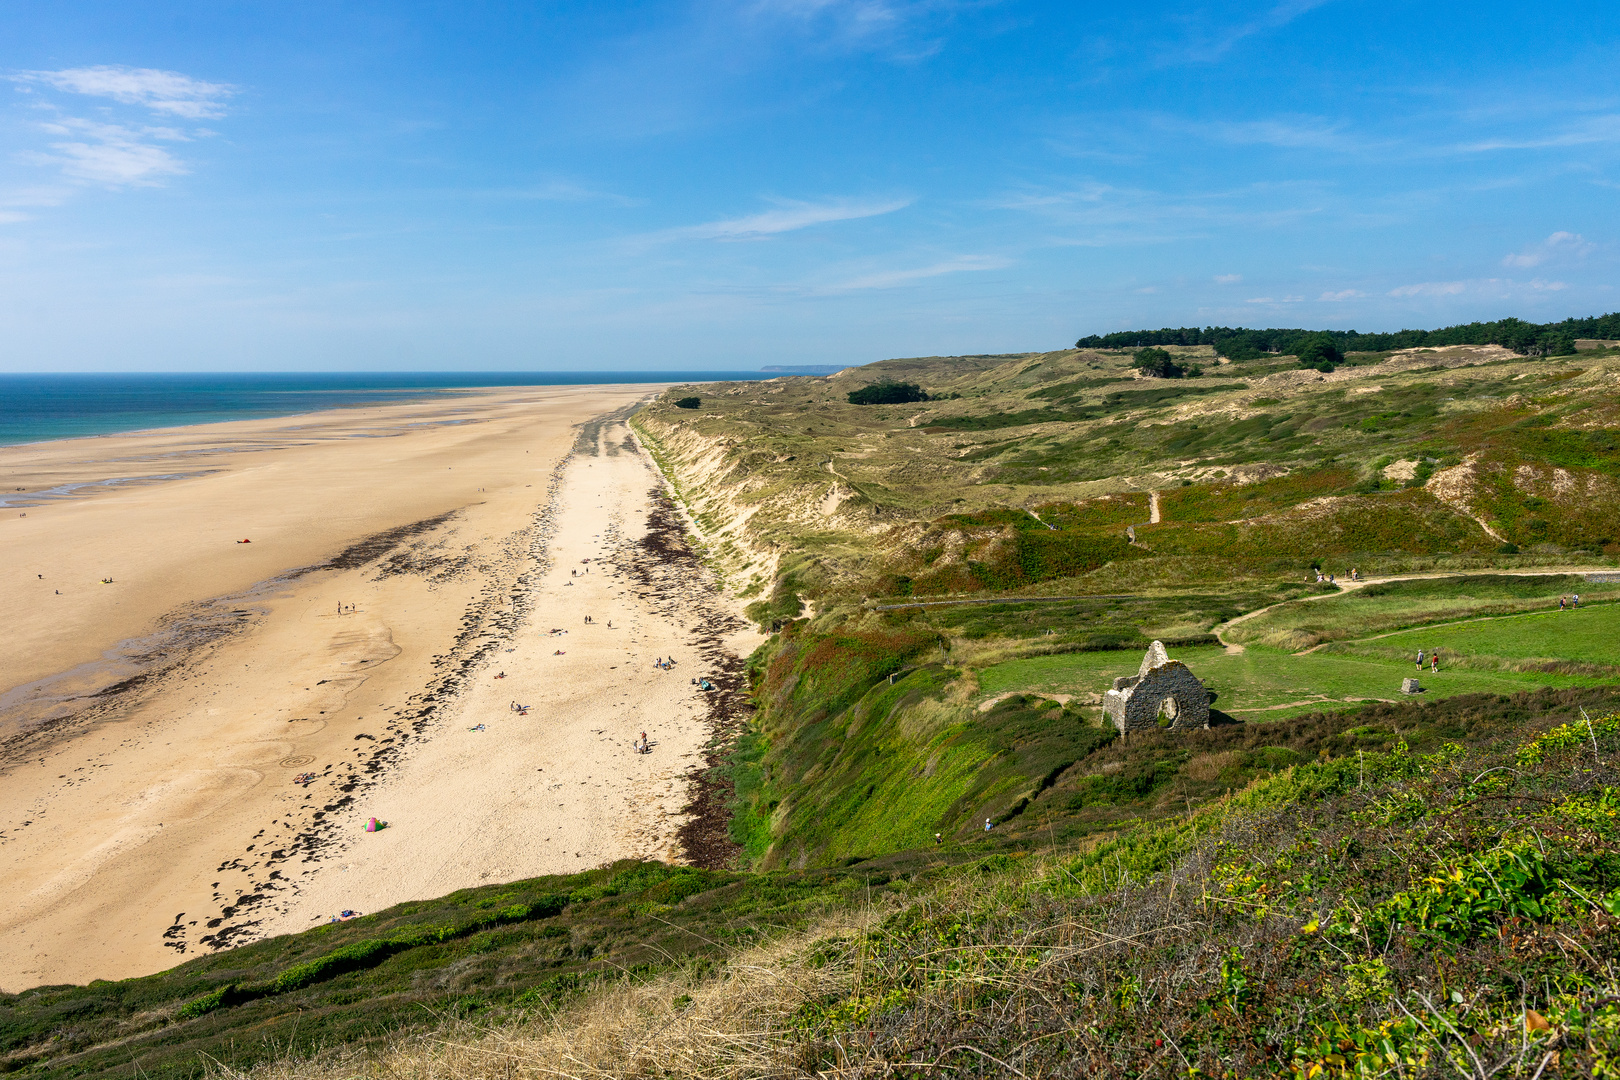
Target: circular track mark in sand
296 760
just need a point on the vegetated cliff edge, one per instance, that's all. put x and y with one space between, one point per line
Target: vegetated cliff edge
1162 506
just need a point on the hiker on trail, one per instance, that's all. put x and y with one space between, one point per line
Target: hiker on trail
1434 662
1560 603
986 824
1577 602
1420 660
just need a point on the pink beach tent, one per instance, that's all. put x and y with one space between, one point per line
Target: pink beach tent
373 825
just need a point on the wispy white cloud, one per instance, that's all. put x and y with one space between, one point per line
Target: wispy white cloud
1292 133
16 202
1228 279
1214 45
1429 288
109 153
1341 295
120 154
1587 132
1275 300
1559 247
897 28
161 91
561 191
889 279
787 217
1500 288
1105 215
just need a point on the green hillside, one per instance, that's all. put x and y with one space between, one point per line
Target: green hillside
1335 878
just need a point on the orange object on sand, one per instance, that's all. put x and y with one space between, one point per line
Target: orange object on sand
244 541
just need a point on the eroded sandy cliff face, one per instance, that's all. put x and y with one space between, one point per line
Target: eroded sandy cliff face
746 503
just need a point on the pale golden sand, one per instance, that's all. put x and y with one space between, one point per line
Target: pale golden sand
147 824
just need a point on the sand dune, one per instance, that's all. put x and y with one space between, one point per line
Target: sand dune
401 557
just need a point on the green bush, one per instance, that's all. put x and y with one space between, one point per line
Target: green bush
1157 363
1319 353
887 392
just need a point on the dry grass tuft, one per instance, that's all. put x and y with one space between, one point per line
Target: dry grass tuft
1208 767
729 1024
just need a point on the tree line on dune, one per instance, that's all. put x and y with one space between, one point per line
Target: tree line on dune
1243 343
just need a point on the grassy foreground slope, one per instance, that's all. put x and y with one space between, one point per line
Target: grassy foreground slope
494 952
1366 904
1387 913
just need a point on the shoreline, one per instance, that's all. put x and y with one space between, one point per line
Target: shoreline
403 395
176 793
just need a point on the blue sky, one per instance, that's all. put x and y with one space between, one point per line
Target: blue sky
232 186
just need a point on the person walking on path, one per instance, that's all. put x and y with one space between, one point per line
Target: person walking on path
1434 662
1577 601
1420 660
1560 603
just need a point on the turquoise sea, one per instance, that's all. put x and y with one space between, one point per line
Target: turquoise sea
34 408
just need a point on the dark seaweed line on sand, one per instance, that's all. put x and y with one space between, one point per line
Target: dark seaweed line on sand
487 625
662 562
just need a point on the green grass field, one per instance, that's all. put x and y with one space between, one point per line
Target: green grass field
1417 602
1264 684
1590 635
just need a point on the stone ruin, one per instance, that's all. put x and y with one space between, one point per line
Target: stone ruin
1163 695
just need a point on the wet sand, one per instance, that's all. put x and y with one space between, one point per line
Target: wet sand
401 557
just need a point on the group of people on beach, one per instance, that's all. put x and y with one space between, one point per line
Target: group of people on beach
642 745
665 662
521 710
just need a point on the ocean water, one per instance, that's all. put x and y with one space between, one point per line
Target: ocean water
34 408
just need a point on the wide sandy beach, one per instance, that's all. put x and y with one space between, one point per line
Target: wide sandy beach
189 753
